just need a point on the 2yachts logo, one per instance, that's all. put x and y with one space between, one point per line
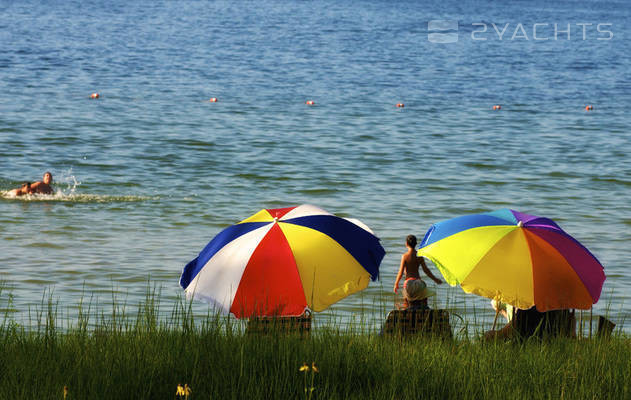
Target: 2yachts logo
443 31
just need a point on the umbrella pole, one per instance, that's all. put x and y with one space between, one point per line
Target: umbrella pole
590 322
497 312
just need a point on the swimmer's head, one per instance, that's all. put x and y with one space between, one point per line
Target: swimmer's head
411 241
48 178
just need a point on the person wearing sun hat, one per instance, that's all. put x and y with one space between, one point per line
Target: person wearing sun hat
415 293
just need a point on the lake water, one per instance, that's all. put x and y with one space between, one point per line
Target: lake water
147 174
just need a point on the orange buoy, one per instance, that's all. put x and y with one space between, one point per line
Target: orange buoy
497 107
213 100
310 102
95 95
589 108
400 105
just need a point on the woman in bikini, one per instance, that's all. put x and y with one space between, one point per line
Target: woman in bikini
409 265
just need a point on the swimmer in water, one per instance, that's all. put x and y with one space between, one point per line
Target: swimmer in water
43 186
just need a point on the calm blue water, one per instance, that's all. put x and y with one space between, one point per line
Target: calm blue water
150 172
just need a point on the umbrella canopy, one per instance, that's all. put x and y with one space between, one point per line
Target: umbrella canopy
520 259
282 261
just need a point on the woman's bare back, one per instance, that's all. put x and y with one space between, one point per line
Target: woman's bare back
411 262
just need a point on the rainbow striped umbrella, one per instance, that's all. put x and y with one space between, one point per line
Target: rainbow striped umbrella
282 261
520 259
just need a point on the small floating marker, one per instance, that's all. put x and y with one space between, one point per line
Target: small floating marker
497 107
589 108
95 95
213 100
400 105
310 102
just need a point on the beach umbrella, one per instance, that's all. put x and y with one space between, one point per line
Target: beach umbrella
279 262
516 258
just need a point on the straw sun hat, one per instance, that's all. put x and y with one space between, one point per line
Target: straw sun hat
416 289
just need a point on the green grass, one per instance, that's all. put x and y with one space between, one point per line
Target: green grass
140 356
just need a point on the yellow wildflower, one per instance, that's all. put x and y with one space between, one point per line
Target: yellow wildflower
180 390
304 368
314 368
187 390
65 392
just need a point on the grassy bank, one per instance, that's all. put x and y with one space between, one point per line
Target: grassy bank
129 356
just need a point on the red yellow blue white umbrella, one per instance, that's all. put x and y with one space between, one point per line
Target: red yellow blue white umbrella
519 259
279 262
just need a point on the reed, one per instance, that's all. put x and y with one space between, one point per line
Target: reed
122 354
